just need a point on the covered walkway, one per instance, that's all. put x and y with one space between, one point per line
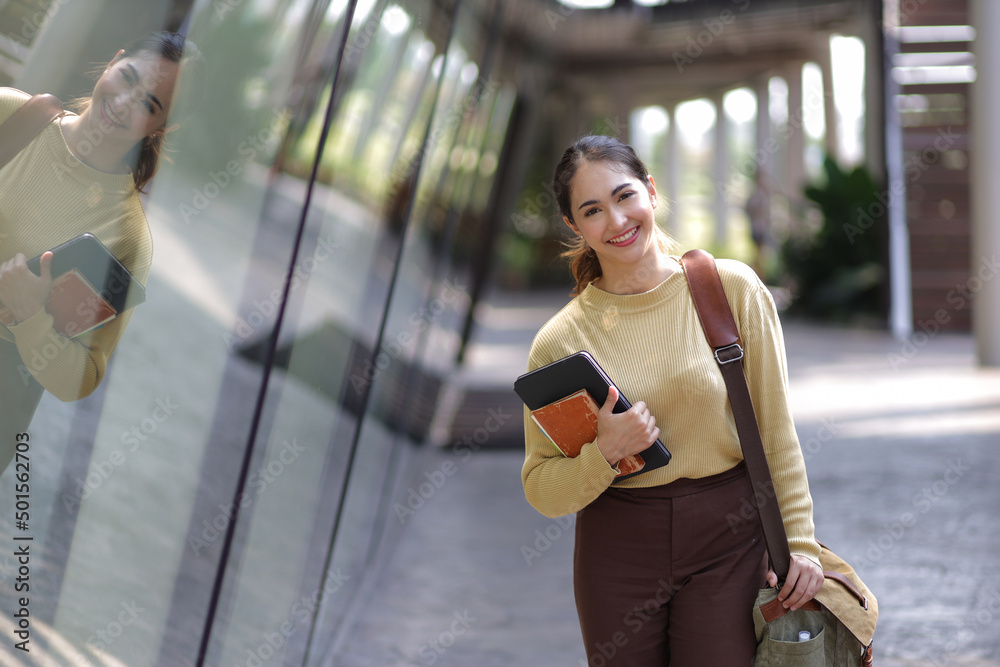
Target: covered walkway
901 441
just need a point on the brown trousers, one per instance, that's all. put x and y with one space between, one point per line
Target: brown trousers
668 575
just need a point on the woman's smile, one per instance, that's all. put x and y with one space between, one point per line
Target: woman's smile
626 239
108 114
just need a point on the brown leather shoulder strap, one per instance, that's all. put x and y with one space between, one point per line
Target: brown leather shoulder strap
720 328
710 299
24 125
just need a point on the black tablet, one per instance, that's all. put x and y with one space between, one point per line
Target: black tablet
568 375
99 266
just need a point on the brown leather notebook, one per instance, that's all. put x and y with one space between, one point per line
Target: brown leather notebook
566 377
571 422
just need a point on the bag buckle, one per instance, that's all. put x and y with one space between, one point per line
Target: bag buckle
729 354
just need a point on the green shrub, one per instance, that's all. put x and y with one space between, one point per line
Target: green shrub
838 270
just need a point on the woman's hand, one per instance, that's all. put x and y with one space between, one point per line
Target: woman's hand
21 291
626 433
804 580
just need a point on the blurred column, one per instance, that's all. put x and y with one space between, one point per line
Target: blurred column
985 141
874 139
764 139
671 170
823 59
796 143
388 81
720 171
900 272
621 120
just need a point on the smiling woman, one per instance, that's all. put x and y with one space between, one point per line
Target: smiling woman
81 173
121 127
662 542
607 197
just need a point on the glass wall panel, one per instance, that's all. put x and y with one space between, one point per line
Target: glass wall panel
222 495
419 339
134 483
323 372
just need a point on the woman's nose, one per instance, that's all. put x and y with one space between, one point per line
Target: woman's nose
618 217
122 105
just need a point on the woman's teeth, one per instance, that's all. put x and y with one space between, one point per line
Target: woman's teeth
626 236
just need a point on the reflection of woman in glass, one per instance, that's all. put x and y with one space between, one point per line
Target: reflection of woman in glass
668 563
82 173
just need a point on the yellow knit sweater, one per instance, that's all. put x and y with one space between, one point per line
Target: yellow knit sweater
653 346
47 196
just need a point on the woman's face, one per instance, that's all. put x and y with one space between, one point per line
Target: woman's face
132 98
613 211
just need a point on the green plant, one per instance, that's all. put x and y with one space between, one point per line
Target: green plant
837 271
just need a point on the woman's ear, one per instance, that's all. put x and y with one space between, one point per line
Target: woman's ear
569 223
652 190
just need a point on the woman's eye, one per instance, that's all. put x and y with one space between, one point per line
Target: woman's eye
590 212
625 195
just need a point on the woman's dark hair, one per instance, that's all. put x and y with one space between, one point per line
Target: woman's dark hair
176 49
594 148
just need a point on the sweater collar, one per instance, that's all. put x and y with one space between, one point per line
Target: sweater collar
594 297
68 165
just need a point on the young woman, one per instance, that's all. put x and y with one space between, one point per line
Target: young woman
82 173
667 563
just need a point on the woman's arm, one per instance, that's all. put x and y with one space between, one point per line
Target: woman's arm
556 485
553 484
69 368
